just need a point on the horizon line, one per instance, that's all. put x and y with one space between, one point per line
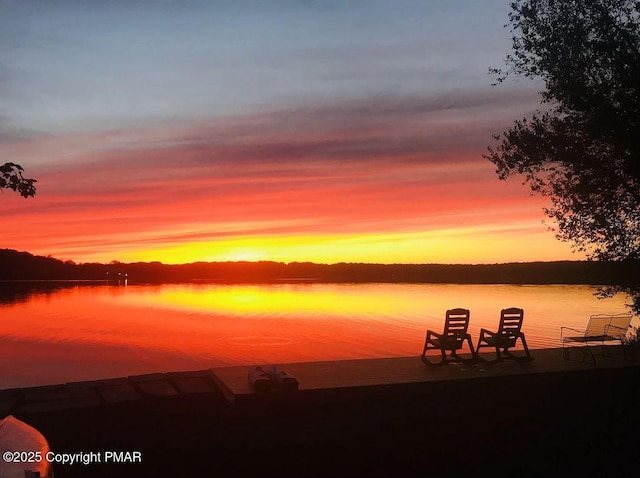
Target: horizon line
116 262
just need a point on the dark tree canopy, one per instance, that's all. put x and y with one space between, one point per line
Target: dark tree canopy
11 178
583 149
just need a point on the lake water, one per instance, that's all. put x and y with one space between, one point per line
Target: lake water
90 332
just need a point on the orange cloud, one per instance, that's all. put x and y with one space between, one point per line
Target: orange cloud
386 180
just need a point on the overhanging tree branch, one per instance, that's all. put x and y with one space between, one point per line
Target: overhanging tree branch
11 178
583 152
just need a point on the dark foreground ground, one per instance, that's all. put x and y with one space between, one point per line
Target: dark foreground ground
572 423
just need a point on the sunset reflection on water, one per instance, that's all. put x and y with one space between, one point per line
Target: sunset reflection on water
89 332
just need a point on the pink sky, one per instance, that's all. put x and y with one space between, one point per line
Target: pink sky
212 130
394 179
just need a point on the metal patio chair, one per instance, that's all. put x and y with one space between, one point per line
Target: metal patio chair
601 330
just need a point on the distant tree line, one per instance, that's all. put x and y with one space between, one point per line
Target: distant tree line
24 266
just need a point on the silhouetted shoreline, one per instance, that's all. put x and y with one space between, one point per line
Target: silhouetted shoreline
23 266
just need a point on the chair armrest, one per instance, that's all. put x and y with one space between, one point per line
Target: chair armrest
484 332
562 329
563 335
484 336
431 332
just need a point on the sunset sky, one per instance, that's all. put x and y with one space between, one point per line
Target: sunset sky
310 130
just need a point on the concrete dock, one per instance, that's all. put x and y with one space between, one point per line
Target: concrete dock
332 377
375 417
351 376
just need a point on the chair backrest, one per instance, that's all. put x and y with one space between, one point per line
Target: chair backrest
511 321
598 325
619 325
456 323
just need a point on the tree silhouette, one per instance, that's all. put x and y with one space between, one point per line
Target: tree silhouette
11 178
583 149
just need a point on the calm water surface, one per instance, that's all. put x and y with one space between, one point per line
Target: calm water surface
90 332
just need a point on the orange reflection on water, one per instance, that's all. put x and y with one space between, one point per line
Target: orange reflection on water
99 332
276 299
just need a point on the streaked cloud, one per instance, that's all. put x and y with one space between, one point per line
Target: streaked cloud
290 130
372 168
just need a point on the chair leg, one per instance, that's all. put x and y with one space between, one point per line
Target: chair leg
482 359
478 356
425 348
526 349
428 362
587 352
474 356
